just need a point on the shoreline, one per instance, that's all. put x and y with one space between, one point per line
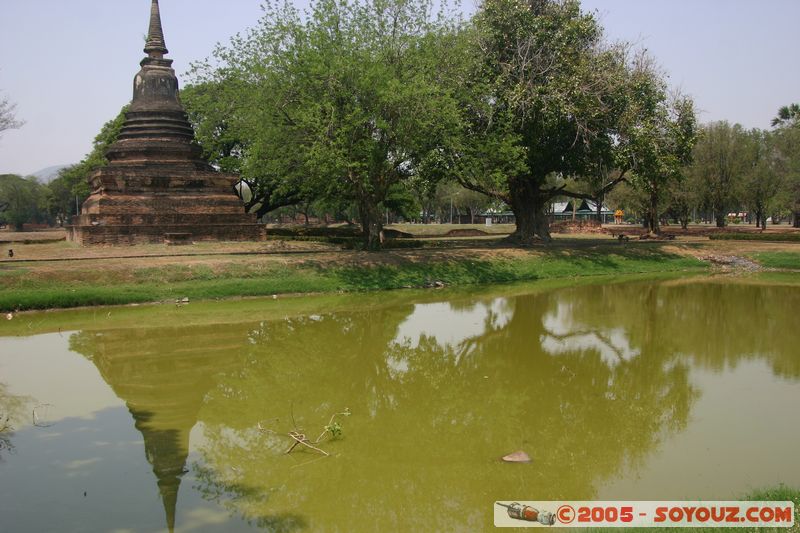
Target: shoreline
52 276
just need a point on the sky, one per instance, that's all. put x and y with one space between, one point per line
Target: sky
69 64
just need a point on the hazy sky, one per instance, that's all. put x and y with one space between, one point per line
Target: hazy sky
69 64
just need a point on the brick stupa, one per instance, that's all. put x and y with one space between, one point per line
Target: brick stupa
157 187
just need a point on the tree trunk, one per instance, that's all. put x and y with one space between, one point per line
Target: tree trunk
600 210
371 224
761 219
653 221
720 219
532 225
684 220
529 205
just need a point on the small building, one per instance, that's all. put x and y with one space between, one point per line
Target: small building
585 210
559 211
496 216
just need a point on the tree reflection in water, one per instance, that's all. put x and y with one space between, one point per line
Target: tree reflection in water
428 426
589 381
12 409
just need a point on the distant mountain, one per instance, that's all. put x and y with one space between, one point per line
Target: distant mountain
46 175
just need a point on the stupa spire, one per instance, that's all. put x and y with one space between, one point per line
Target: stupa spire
155 47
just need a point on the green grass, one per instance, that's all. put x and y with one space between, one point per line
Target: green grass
785 260
90 288
550 266
742 236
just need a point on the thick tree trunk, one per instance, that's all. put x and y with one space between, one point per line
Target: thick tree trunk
720 219
529 205
532 225
371 224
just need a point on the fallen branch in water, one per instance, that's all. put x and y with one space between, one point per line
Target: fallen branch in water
300 438
332 429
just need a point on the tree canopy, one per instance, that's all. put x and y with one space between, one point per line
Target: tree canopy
787 139
542 97
22 200
344 103
361 96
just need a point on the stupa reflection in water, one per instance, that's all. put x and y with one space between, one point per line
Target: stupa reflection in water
163 381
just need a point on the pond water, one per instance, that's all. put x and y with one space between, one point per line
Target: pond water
155 418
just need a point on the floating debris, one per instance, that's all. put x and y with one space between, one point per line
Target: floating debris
517 457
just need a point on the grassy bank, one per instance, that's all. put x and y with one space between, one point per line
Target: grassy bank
26 286
783 260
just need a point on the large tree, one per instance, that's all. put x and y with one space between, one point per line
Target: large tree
541 98
787 164
22 200
665 138
720 163
344 102
226 112
761 179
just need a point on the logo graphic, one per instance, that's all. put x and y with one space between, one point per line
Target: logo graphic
527 513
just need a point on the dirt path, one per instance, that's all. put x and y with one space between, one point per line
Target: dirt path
732 263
